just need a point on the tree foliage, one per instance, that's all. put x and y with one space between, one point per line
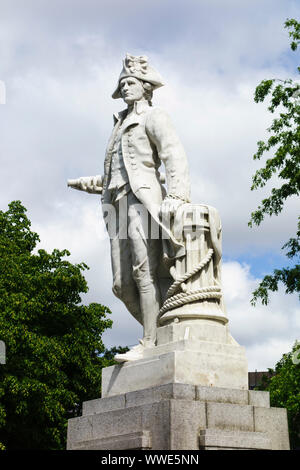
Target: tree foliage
54 350
284 388
284 147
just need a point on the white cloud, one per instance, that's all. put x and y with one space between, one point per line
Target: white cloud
266 331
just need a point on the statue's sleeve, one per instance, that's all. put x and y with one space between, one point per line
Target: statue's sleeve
171 152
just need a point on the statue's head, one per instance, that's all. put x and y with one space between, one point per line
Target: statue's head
137 80
132 89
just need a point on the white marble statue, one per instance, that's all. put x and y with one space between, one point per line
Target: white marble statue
173 273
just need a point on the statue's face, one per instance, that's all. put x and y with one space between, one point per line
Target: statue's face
131 90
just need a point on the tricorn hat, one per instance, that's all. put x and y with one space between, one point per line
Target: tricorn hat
137 66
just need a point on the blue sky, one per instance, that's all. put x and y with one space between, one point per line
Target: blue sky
60 61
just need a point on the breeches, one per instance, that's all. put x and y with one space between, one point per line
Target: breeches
135 256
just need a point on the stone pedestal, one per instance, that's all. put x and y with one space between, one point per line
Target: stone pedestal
189 392
196 352
179 416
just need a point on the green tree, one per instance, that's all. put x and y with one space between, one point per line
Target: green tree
54 350
110 353
284 147
284 388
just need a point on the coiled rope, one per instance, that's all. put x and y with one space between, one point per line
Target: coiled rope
210 292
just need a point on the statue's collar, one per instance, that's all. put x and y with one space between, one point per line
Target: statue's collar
139 107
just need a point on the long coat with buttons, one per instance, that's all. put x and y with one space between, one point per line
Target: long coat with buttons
148 138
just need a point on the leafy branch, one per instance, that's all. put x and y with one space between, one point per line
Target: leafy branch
284 163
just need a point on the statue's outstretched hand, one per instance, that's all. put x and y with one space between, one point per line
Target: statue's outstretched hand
90 184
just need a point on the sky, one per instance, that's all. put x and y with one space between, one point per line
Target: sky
59 64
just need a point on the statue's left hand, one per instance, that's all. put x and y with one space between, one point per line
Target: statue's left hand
170 206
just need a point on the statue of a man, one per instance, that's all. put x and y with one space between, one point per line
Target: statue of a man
143 138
